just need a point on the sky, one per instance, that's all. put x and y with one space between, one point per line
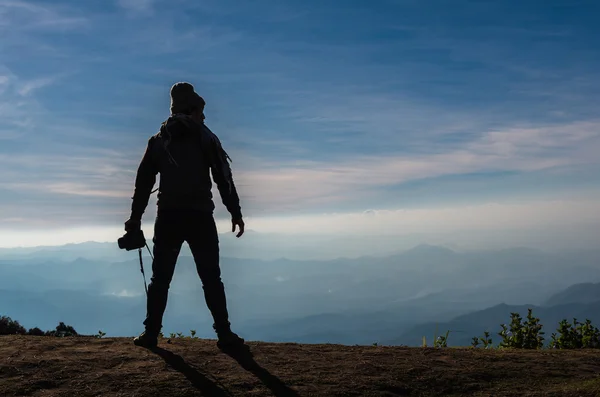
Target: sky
388 116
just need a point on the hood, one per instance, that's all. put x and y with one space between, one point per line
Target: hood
178 126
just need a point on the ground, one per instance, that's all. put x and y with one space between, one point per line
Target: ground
49 366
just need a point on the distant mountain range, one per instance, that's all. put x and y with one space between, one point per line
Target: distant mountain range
386 299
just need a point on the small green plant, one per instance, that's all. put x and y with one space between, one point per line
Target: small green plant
176 335
193 333
100 334
375 344
442 340
161 335
576 335
522 334
486 340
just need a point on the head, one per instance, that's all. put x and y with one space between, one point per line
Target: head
197 114
185 100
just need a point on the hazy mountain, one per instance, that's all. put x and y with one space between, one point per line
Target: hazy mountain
578 293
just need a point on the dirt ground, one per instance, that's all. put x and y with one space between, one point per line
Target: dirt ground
48 366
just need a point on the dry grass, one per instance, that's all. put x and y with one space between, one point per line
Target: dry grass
46 366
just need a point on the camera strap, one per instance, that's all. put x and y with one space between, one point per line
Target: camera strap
142 266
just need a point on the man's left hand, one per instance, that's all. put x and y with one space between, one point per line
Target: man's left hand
239 223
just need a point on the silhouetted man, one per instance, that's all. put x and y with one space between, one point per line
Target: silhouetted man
183 152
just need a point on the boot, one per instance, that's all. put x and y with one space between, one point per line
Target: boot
229 340
147 340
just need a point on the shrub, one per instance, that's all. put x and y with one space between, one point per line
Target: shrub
576 336
8 326
62 330
522 334
35 332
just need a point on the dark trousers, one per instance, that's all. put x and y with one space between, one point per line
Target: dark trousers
199 230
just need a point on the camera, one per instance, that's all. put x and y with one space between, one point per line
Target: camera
132 240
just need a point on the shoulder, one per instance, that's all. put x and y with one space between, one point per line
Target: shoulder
207 131
156 142
153 139
210 137
161 134
217 146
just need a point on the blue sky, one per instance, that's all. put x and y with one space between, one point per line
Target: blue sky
391 105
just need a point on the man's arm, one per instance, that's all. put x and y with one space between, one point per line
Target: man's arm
144 182
221 173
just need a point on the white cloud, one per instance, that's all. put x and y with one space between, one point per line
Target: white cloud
532 214
517 149
126 294
549 222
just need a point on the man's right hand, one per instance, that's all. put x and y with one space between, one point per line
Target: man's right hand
240 224
132 225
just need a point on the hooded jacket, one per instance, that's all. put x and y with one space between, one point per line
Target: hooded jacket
183 152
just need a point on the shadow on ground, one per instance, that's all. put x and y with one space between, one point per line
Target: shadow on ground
276 385
200 381
212 388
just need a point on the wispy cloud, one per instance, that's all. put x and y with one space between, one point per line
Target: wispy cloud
16 111
29 86
68 188
140 6
97 174
20 108
309 185
161 38
20 15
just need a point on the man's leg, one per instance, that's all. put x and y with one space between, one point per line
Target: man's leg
204 244
168 238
